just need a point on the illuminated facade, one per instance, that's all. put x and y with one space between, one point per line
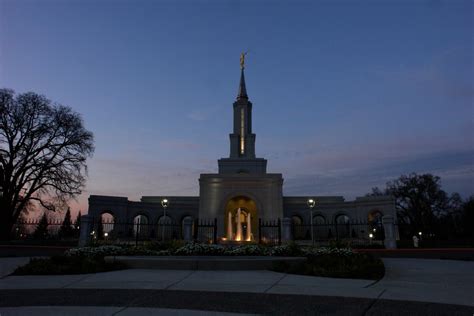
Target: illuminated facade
242 192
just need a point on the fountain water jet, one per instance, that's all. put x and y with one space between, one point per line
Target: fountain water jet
238 236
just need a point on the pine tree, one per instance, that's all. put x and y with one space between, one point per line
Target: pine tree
66 229
41 231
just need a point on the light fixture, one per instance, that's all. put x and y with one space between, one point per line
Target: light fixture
164 203
311 203
371 235
419 233
106 234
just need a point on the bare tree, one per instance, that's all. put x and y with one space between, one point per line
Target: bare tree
43 152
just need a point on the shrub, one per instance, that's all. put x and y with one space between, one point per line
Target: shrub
100 251
288 250
193 248
336 263
247 250
313 251
356 265
170 246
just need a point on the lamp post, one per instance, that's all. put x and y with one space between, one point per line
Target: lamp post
164 203
311 204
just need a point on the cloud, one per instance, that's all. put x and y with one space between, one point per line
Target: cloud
447 73
202 113
178 144
455 169
309 168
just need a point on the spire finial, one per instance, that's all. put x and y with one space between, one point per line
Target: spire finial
242 60
242 94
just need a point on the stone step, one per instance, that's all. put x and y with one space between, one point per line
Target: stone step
204 262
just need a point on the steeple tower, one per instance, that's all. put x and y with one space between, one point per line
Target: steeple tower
242 141
242 89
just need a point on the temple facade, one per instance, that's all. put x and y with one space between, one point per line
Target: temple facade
242 192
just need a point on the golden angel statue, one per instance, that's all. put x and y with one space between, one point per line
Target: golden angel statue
242 60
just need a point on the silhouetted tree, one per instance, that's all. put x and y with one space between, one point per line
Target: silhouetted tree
41 231
43 152
420 201
66 229
467 219
377 192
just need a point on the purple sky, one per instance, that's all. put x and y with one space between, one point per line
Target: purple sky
347 94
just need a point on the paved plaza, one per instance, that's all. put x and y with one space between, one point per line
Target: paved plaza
421 286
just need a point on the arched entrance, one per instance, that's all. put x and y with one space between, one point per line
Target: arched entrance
375 228
241 223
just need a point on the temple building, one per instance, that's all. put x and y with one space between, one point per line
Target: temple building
242 192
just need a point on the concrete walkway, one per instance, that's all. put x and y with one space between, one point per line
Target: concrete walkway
428 280
418 280
101 311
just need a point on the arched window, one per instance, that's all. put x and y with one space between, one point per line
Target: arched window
320 229
182 223
105 225
299 230
141 226
375 226
343 226
167 228
165 220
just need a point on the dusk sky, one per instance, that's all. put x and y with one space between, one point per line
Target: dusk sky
347 95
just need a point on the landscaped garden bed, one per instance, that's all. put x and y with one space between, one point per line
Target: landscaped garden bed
328 262
337 263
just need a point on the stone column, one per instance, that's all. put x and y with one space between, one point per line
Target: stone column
249 228
229 227
389 227
238 235
286 235
188 229
86 229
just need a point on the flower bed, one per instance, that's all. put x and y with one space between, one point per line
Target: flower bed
330 262
196 249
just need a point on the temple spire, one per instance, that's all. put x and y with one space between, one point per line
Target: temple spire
242 94
242 157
